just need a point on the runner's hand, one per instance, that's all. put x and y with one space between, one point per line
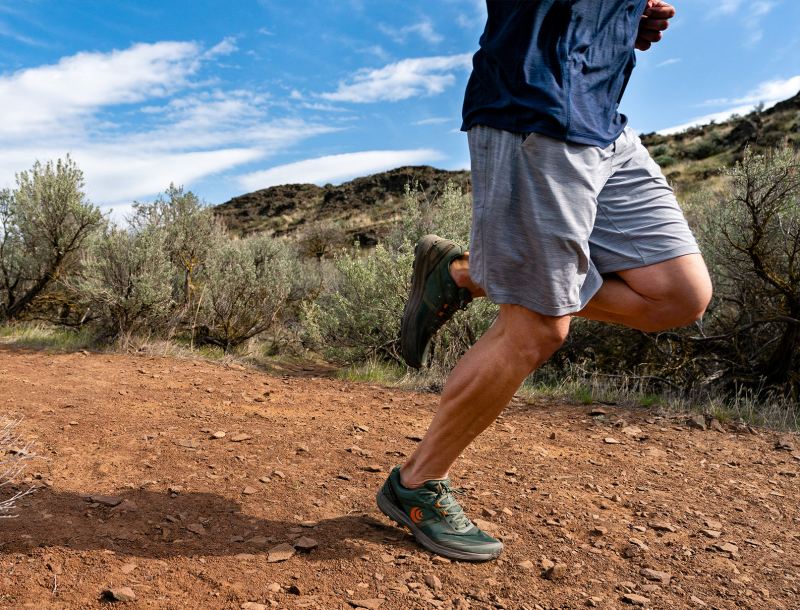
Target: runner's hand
654 21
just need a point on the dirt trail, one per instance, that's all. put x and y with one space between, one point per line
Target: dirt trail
713 514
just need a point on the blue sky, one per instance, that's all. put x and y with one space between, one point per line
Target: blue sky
229 97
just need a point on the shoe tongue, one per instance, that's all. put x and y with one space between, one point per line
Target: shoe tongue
435 485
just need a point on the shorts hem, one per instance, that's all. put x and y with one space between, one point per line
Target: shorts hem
625 264
504 298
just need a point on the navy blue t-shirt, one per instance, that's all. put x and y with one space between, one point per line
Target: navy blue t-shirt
555 67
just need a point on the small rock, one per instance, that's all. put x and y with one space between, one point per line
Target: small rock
274 588
654 575
488 512
697 601
727 547
253 606
526 565
119 594
611 441
598 412
106 500
433 582
594 602
599 531
279 474
305 544
249 491
373 468
557 572
546 564
698 422
218 435
784 444
128 568
368 604
711 533
282 552
661 526
188 443
716 426
196 528
635 600
241 437
632 431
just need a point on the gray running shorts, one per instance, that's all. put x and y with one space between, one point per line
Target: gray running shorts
550 218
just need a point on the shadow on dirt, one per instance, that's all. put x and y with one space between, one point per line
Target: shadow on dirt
158 525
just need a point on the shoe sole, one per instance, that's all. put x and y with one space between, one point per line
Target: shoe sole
399 517
423 265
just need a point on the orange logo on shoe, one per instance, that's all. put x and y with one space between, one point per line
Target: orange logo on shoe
416 514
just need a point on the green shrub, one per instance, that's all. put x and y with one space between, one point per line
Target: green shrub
126 282
246 285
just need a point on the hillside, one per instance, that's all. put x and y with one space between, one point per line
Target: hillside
363 207
366 207
199 485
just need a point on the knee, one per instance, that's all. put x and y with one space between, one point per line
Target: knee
684 305
531 337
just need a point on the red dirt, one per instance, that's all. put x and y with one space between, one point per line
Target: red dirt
114 425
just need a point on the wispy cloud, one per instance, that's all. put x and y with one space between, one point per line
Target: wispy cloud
137 119
437 120
767 93
338 168
424 29
402 80
668 62
750 14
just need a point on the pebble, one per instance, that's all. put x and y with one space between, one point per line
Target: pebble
556 572
656 576
368 604
218 435
282 552
119 594
274 587
196 528
433 582
611 441
238 438
128 568
106 500
249 491
253 606
635 600
305 544
711 533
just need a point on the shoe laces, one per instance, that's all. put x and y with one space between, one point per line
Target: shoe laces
448 505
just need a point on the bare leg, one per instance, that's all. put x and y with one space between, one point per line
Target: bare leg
656 297
665 295
481 385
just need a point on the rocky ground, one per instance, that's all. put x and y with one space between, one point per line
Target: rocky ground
183 484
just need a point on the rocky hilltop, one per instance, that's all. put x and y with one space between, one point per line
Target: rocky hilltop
365 207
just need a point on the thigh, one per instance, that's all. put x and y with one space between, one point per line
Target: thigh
534 203
683 278
639 222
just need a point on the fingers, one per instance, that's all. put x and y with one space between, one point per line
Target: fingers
654 24
642 45
658 9
649 36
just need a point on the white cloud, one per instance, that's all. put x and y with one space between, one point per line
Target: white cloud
338 168
176 129
423 29
668 62
226 47
768 93
749 13
440 120
402 80
53 98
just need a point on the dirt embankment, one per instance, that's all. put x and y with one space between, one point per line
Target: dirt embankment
136 492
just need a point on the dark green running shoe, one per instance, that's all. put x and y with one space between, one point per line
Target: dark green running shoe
434 297
436 519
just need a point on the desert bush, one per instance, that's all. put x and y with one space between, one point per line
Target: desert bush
126 281
246 285
358 316
44 224
190 230
751 238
